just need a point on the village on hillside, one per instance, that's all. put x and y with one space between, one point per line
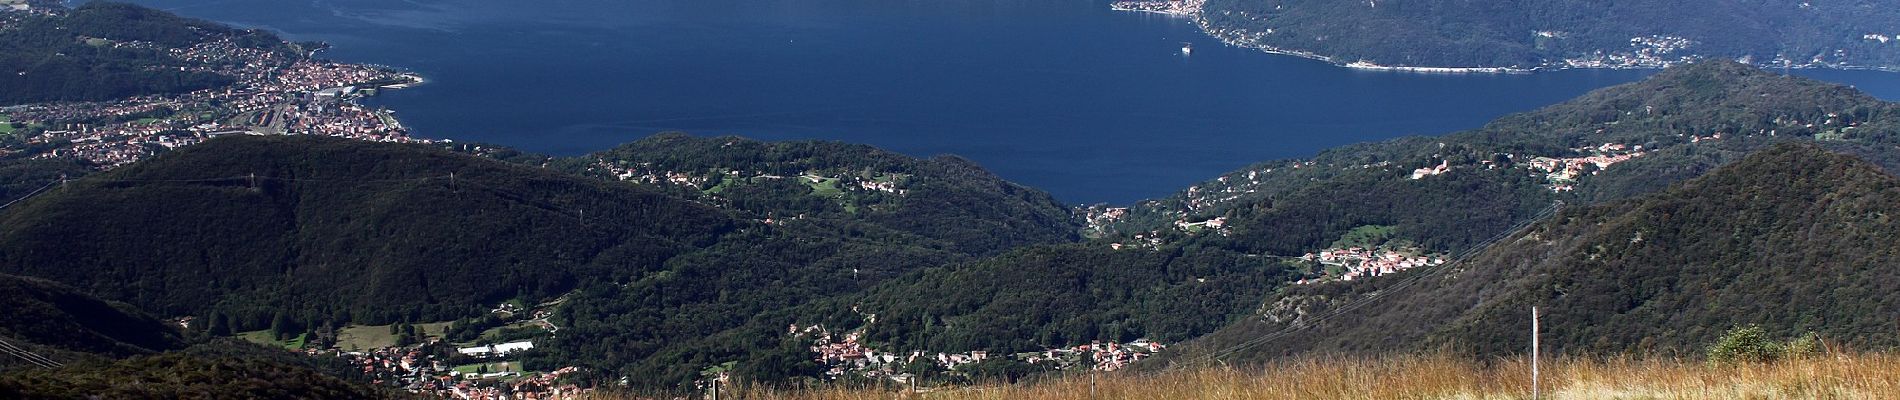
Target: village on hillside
846 356
475 359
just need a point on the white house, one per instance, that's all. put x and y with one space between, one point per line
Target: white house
496 349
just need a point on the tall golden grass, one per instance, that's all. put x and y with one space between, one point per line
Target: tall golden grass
1863 376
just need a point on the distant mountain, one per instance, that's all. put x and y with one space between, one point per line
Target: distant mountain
1577 33
68 326
1793 238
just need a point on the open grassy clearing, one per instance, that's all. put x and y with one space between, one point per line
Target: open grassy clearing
823 186
360 337
264 337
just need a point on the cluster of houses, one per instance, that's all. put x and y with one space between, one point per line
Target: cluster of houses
1443 167
1169 7
846 356
1216 224
536 387
647 173
1562 173
1096 356
419 369
42 7
1360 262
1655 51
1149 240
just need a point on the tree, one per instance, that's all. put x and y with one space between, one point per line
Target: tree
218 324
280 326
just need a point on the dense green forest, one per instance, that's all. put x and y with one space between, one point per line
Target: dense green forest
108 349
1054 296
89 53
1793 239
945 198
330 230
60 322
1447 33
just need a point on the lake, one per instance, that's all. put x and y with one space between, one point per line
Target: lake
1090 104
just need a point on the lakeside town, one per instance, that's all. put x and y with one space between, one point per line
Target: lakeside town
274 92
1643 52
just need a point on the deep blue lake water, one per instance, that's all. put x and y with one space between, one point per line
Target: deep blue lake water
1065 95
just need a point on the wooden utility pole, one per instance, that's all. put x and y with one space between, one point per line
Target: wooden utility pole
1091 383
1534 346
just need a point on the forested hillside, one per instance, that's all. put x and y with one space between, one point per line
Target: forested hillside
1793 239
57 321
298 233
1648 33
243 229
945 198
1056 296
61 343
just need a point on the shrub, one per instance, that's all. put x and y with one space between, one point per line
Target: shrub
1745 344
1807 345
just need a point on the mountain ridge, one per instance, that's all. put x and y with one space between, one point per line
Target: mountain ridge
1634 276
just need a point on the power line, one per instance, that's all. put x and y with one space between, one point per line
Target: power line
29 195
31 357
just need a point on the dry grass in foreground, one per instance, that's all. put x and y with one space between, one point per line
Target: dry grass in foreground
1873 376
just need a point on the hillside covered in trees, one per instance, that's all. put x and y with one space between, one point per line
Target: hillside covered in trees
1591 34
55 320
938 197
323 229
1793 239
298 233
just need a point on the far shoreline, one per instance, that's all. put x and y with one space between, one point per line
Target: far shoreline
1133 6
